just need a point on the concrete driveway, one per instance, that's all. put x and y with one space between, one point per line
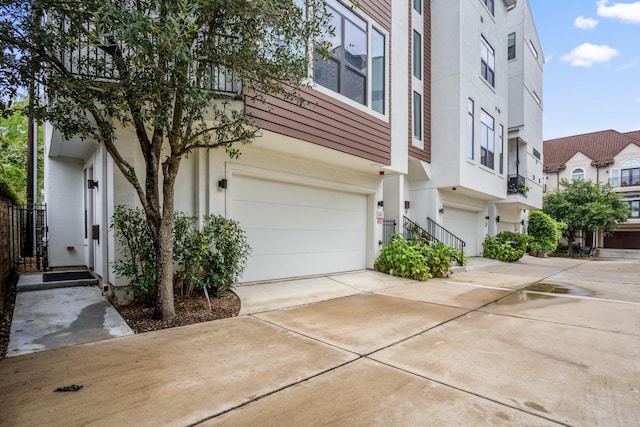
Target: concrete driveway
366 349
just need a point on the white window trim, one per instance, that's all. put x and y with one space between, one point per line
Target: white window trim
584 174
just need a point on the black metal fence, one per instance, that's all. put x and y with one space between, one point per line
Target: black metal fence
389 227
443 235
29 234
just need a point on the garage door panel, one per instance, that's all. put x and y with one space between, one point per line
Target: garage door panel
303 241
297 230
272 216
464 225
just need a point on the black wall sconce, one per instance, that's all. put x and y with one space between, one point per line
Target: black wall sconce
441 210
522 222
498 218
487 217
222 183
381 203
407 204
91 184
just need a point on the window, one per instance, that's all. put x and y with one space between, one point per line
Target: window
500 148
417 116
346 71
630 173
630 177
577 174
417 6
537 98
614 180
634 207
511 46
533 49
470 129
487 140
417 55
487 61
489 4
378 64
536 154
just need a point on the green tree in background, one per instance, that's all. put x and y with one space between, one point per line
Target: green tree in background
13 152
584 207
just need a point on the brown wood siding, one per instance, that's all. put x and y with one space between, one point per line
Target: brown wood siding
327 121
425 153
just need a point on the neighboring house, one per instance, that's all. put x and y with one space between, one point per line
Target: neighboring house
310 192
484 134
602 157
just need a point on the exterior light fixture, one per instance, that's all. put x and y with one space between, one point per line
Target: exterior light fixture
441 210
91 184
222 183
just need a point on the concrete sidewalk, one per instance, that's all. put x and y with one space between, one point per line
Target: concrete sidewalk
473 349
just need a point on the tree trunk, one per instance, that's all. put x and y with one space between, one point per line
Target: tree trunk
164 268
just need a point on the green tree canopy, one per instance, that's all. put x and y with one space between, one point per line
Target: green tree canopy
153 65
13 151
585 206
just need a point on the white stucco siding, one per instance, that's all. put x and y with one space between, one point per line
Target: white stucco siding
298 230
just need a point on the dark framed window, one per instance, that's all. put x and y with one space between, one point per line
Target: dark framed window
357 64
417 55
487 61
417 116
378 64
346 71
511 46
487 140
470 130
630 177
501 149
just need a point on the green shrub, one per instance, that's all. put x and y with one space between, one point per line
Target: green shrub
215 257
138 259
212 258
417 259
544 232
500 247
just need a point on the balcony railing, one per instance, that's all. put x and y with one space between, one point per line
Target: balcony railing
517 184
624 182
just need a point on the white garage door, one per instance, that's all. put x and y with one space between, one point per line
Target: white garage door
465 225
296 230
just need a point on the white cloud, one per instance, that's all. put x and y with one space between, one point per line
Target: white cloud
587 54
627 12
585 23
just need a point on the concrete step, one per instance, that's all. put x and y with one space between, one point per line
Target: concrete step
52 280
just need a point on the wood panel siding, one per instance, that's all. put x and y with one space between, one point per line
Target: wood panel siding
422 153
328 122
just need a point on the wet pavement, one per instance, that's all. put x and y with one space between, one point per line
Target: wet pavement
366 349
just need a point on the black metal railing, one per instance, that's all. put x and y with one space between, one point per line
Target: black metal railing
388 230
30 237
434 233
517 184
443 235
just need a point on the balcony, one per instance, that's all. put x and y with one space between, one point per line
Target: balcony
517 184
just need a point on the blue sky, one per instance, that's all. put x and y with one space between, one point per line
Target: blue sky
592 69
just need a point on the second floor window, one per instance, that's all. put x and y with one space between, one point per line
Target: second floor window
487 61
487 140
577 174
630 173
349 70
417 6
